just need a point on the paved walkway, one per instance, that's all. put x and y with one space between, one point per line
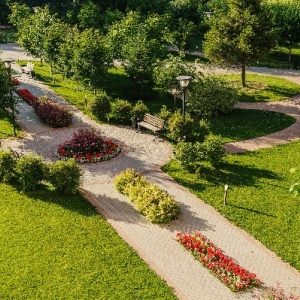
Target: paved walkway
154 243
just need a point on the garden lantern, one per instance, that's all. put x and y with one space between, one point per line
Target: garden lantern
184 82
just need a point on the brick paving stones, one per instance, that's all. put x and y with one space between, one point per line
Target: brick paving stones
155 243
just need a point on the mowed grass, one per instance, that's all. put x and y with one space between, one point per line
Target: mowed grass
116 85
6 128
59 247
242 124
258 200
263 88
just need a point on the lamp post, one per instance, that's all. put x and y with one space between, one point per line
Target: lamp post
184 82
7 64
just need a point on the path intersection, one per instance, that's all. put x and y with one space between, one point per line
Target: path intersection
156 243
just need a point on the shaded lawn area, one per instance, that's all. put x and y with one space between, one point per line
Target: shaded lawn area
59 247
259 200
263 88
6 128
116 86
242 124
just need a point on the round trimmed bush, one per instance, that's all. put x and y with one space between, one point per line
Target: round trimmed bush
7 165
30 171
140 109
121 111
213 149
65 176
101 106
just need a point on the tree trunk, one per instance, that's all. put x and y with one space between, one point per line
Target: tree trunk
290 54
243 75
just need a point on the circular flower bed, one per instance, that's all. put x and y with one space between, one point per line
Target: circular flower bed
87 147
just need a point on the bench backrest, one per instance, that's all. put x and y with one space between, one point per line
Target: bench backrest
155 121
30 66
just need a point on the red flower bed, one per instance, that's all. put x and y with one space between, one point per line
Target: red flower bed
224 267
27 96
15 81
53 114
86 146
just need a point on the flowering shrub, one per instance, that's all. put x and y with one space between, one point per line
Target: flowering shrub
86 146
224 267
53 114
276 293
15 81
154 203
27 96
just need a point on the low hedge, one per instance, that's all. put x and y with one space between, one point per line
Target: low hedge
154 203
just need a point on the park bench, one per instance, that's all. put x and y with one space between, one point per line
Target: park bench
28 68
151 123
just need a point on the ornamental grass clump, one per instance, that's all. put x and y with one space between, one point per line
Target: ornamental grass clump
155 204
225 268
87 146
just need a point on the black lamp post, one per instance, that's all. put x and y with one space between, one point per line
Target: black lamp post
7 64
184 82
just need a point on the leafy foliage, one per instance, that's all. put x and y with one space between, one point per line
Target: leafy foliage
238 35
7 165
157 205
101 106
211 96
65 176
30 171
121 111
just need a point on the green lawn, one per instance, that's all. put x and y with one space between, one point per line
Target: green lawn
263 88
241 124
259 200
6 128
58 247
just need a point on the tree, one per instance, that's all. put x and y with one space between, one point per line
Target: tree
8 101
19 14
32 32
238 36
285 17
89 16
54 36
140 43
91 58
166 72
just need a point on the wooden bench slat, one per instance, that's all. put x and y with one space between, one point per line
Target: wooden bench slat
152 123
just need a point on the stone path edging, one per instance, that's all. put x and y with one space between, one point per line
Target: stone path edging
155 243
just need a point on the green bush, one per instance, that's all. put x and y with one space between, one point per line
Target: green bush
121 111
139 109
214 149
126 180
65 176
30 171
189 154
7 165
157 205
178 130
164 113
101 106
211 96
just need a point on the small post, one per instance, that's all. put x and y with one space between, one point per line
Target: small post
225 193
85 100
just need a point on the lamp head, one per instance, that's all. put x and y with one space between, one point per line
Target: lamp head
7 63
184 80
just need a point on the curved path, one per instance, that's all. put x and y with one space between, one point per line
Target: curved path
154 243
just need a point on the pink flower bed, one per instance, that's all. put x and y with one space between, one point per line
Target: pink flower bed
53 114
87 147
47 110
221 265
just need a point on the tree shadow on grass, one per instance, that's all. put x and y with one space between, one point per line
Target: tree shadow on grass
75 202
236 175
251 210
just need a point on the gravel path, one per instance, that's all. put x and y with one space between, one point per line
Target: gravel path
155 243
